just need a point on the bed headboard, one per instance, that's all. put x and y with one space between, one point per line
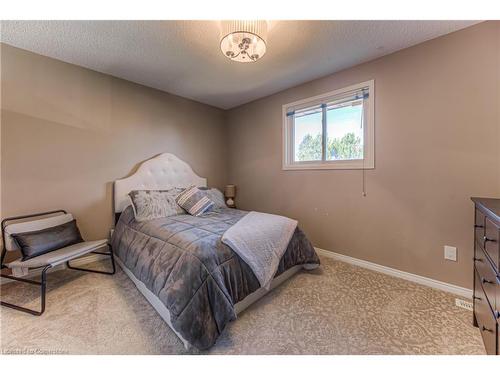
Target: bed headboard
159 173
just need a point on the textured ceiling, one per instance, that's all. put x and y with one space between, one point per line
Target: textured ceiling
183 57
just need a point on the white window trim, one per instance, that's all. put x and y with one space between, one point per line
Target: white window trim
369 133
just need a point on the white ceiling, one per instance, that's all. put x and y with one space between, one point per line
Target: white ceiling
183 57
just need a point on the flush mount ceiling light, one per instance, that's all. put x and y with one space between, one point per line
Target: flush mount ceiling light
243 41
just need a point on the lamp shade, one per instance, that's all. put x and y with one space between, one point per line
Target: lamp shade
230 191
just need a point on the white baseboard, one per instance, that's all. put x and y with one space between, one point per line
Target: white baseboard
450 288
436 284
76 262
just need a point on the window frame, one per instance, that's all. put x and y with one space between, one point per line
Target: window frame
368 161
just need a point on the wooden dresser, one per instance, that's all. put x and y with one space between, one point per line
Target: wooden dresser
487 271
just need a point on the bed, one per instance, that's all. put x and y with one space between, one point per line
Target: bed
194 281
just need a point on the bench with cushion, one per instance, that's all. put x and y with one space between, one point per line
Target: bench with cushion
45 255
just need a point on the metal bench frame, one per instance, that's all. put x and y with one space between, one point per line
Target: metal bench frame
43 281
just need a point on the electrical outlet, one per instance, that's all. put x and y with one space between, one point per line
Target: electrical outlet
450 253
463 304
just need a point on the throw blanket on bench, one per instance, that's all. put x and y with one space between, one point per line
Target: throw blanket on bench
261 240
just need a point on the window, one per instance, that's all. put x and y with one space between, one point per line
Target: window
331 131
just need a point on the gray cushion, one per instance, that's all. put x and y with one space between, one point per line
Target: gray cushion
38 242
30 226
216 196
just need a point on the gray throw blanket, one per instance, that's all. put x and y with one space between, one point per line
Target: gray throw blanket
261 240
182 260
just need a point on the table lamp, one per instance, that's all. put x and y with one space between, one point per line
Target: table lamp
230 193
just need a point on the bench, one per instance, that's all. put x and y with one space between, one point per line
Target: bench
18 224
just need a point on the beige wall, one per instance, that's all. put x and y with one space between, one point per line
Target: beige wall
68 132
437 144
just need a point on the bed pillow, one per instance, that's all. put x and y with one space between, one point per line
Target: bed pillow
216 196
43 241
194 201
155 204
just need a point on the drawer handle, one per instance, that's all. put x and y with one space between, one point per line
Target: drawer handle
486 239
487 329
478 298
478 260
478 226
486 281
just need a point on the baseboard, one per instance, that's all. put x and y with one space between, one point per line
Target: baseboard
76 262
450 288
436 284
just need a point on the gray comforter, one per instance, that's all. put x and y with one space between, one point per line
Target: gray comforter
182 260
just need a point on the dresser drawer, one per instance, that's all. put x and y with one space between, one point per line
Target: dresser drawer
485 318
491 242
479 219
487 276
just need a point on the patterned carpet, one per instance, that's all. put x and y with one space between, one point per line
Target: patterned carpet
339 309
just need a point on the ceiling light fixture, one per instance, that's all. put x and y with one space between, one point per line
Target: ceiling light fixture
243 41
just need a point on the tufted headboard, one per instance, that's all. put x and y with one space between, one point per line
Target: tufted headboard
159 173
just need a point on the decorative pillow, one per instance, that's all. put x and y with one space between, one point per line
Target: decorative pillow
154 204
216 196
194 201
43 241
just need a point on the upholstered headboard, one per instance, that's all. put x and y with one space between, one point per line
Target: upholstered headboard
159 173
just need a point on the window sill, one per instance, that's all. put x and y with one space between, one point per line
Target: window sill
344 164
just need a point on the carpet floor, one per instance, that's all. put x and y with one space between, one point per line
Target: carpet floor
338 309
